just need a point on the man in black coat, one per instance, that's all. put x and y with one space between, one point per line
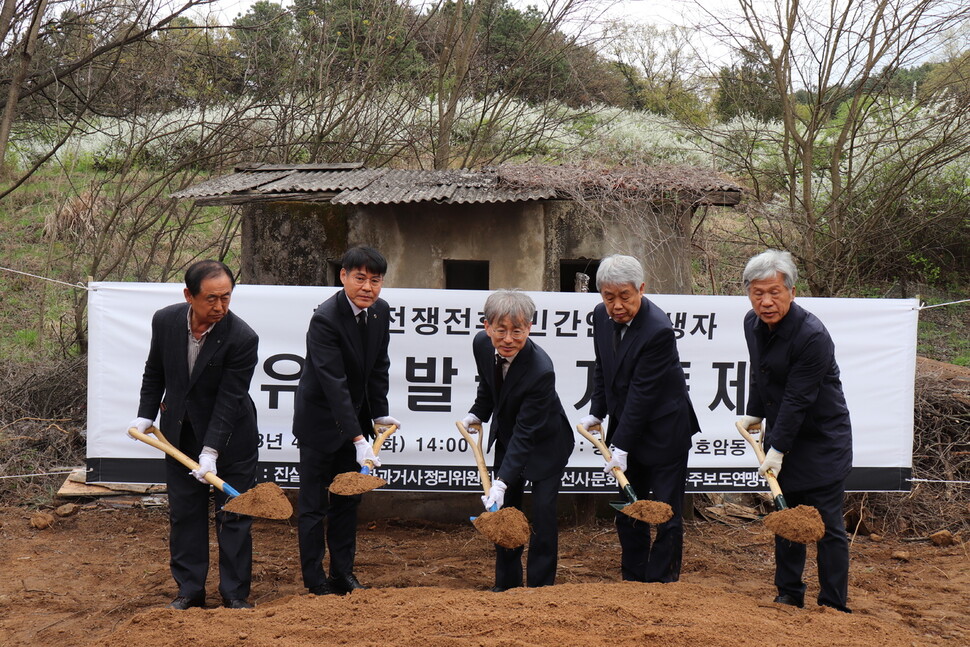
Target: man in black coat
640 384
530 431
198 371
342 390
795 385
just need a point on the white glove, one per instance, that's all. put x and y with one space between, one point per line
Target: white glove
772 462
365 453
471 423
591 421
386 421
496 495
750 421
207 463
142 424
618 459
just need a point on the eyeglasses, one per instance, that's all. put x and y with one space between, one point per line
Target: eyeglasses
360 279
518 334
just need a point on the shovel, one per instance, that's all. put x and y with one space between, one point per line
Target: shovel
161 442
654 512
265 500
353 483
507 527
476 445
631 496
759 452
802 524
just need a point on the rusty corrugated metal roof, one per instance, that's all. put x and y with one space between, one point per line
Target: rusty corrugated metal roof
351 184
456 187
328 181
229 184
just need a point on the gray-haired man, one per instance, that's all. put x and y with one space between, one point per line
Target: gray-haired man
639 382
795 384
530 431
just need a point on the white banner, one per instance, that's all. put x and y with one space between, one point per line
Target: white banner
433 381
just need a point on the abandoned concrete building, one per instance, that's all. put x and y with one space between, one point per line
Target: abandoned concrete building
530 227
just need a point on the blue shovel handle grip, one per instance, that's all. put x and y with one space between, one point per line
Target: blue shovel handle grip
491 508
229 490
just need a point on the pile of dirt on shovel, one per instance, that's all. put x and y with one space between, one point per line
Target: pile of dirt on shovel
351 483
266 500
507 527
649 511
802 524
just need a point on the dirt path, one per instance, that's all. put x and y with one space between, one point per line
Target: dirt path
101 577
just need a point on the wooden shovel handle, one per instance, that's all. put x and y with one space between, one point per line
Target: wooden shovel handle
476 446
379 441
162 443
600 445
760 455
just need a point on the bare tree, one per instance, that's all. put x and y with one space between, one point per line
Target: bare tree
850 156
662 68
31 36
484 68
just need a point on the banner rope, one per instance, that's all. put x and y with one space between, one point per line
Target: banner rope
940 305
23 476
937 481
44 278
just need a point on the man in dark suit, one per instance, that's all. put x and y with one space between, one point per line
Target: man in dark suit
795 384
640 384
198 371
343 388
530 431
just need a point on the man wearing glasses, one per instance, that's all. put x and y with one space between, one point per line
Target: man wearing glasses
199 367
530 431
343 389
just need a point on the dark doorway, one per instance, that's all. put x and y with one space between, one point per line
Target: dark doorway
466 275
568 270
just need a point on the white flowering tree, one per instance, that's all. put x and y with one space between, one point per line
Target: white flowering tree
854 174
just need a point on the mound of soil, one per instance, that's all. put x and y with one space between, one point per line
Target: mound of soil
101 577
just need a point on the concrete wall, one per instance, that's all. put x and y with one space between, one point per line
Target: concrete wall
418 238
288 243
291 243
653 234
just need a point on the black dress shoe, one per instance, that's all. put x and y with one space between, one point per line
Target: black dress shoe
503 589
784 598
236 604
182 603
321 589
345 583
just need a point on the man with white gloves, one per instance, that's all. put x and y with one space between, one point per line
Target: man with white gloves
342 391
198 371
639 382
795 386
529 429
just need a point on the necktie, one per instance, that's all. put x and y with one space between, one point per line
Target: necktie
499 372
617 334
362 327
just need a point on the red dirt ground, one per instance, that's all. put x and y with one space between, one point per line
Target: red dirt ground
100 577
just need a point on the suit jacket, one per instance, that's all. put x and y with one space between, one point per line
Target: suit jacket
529 420
795 386
642 386
344 384
215 398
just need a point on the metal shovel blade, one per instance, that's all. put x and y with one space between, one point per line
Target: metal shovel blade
631 497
